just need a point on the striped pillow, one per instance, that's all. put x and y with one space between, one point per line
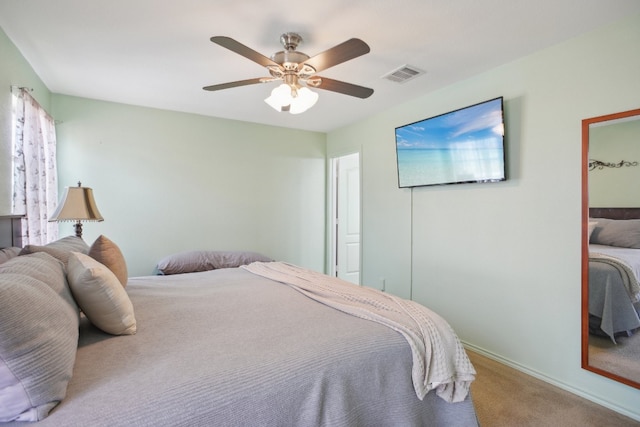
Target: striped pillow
38 337
100 295
7 253
60 248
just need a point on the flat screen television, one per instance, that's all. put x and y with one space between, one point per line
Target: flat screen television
461 146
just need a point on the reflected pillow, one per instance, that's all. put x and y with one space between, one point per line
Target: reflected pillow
623 233
194 261
592 226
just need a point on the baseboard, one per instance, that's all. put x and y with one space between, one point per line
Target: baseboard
595 399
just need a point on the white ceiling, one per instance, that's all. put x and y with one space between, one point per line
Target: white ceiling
157 53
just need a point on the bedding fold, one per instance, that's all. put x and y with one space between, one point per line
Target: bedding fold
631 283
440 362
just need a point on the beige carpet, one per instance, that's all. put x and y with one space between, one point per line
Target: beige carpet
621 358
504 396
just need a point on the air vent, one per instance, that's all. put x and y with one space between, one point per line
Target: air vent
403 74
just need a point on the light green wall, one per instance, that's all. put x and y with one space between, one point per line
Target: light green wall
613 143
167 182
14 71
501 261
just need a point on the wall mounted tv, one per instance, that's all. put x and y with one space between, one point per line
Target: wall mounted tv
461 146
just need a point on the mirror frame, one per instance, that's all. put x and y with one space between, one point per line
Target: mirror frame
585 244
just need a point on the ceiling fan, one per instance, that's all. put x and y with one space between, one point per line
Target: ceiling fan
297 71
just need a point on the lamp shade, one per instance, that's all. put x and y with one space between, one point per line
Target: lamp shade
77 204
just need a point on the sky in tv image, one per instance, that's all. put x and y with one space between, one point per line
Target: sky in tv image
461 146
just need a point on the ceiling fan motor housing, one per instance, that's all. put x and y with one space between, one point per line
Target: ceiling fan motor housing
290 41
289 59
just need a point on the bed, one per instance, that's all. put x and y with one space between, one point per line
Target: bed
614 271
221 338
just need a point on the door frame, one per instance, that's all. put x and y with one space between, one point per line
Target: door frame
332 235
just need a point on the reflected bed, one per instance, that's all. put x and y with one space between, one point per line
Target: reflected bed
614 271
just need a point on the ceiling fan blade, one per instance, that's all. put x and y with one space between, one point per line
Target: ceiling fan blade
343 52
344 88
238 83
243 50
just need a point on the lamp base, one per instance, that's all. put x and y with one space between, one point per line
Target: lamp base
78 227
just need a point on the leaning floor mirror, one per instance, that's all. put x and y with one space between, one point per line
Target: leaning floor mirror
611 246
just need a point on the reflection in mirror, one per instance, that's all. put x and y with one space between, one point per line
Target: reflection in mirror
611 246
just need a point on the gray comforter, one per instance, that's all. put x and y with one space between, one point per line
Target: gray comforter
439 360
228 348
611 295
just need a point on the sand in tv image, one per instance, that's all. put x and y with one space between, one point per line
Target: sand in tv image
462 146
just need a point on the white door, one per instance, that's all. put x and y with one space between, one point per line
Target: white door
347 202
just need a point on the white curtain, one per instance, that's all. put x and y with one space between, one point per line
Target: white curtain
35 175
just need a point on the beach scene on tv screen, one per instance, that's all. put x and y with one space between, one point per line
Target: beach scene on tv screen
465 145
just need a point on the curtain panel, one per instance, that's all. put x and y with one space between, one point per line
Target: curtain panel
35 175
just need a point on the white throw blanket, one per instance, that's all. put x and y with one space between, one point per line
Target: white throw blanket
439 359
626 272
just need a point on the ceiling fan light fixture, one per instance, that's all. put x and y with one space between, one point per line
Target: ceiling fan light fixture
305 100
280 97
289 98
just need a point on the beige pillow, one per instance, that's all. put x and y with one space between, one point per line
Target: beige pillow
100 295
108 253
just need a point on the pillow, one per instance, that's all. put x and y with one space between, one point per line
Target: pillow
108 253
38 344
45 268
194 261
100 295
592 226
60 248
623 233
7 253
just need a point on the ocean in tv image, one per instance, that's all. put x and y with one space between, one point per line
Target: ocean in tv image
465 145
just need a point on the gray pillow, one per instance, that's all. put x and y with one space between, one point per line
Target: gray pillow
45 268
623 233
7 253
38 337
194 261
60 248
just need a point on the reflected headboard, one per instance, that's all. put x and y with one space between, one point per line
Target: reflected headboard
615 213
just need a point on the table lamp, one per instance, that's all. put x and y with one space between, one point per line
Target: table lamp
78 205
